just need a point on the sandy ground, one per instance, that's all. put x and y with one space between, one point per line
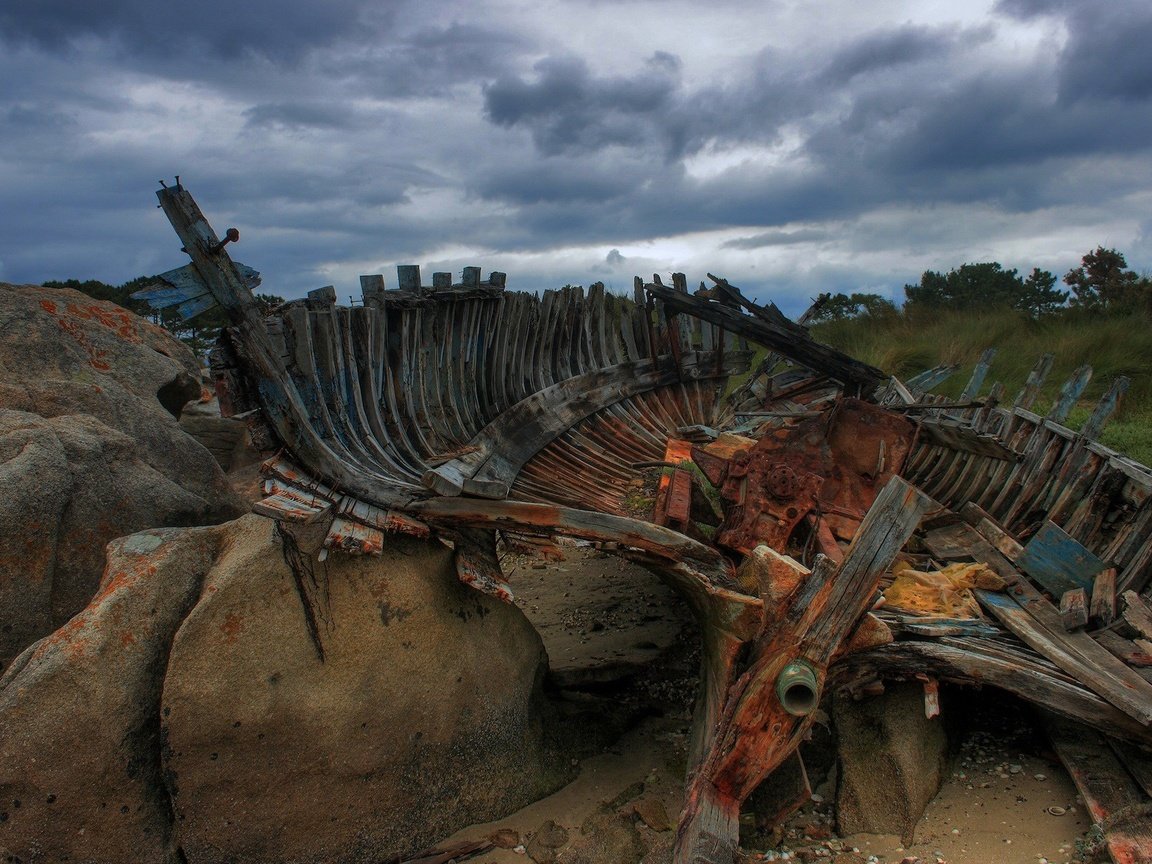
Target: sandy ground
1006 801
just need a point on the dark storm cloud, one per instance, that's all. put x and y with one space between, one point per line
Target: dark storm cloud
944 128
356 130
570 110
212 29
1109 55
1106 55
883 50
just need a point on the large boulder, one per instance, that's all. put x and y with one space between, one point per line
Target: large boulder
229 697
892 761
90 450
80 775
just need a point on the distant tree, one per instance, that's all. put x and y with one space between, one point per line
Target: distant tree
1039 296
837 307
1102 282
970 286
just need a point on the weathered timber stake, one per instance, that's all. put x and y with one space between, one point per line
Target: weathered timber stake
1074 609
1103 607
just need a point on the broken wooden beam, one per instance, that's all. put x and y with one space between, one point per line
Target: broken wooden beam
1136 614
981 661
791 342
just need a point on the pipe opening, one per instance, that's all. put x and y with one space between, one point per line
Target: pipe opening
798 689
799 700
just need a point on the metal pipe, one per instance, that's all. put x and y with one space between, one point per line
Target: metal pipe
798 689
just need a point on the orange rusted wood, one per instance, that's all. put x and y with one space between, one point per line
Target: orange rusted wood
756 731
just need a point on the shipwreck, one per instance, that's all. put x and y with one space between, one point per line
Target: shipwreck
779 507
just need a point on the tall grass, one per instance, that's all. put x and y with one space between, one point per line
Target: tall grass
1113 345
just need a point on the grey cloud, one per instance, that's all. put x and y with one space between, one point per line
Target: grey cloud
212 29
567 109
1034 8
429 61
776 238
1108 55
303 115
883 50
614 258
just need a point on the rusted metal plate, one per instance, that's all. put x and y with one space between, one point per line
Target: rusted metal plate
831 465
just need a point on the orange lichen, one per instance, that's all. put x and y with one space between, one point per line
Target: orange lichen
232 627
123 323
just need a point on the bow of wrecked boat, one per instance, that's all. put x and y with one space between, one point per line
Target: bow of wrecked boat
829 526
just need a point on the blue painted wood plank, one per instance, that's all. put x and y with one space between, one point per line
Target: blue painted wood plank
979 373
922 383
1069 393
1058 562
192 308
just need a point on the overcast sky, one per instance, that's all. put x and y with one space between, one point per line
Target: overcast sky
793 146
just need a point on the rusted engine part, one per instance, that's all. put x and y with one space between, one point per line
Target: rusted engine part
826 469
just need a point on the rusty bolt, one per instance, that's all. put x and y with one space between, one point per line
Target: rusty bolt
232 235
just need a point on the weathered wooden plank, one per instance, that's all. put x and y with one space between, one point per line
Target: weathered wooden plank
1058 562
923 383
1075 653
478 565
1027 397
979 373
1137 614
1107 406
1005 543
1124 649
1070 394
1137 760
1114 800
956 436
981 661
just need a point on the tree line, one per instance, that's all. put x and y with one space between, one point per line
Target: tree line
198 333
1101 284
